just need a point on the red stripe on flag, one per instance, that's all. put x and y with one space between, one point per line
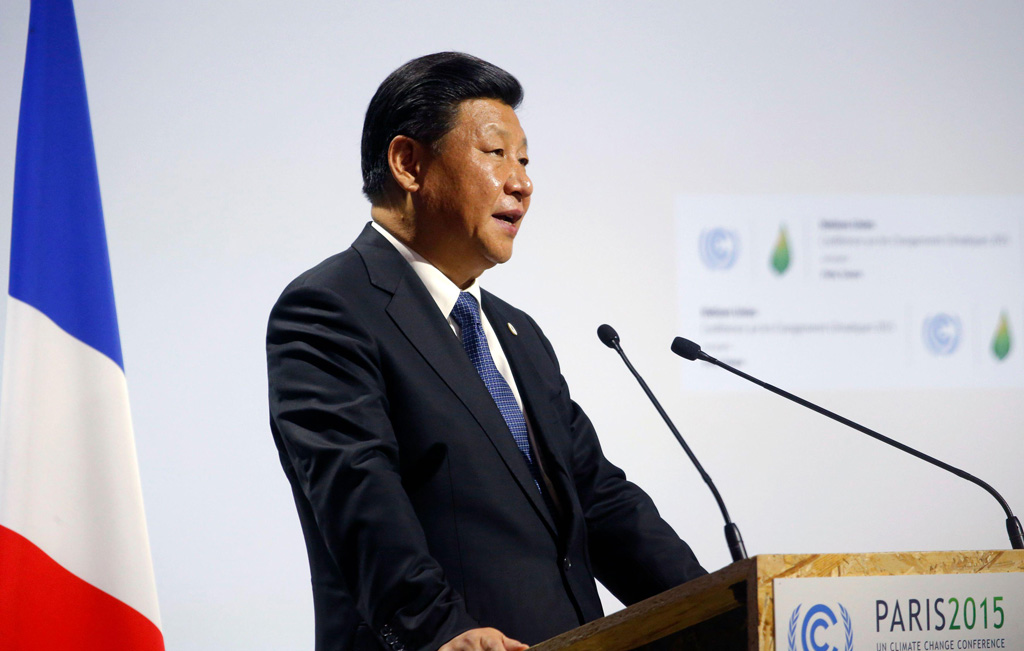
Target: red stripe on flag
44 607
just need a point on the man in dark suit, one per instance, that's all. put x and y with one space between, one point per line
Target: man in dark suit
451 493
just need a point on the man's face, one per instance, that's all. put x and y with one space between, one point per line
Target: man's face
475 190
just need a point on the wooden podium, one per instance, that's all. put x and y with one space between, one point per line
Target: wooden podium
733 608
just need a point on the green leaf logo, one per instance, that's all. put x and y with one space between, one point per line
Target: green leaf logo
1001 340
780 256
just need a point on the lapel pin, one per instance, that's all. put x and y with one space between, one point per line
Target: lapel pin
512 329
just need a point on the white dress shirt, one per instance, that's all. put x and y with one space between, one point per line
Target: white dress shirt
445 293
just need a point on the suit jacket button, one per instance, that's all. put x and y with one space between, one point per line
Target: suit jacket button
566 564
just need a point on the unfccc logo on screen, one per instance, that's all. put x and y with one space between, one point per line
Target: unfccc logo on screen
818 629
942 333
719 248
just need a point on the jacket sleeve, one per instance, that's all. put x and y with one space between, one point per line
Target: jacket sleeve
329 406
634 552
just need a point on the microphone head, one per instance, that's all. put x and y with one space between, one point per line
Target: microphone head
607 335
685 348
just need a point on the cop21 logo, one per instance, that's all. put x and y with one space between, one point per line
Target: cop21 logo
942 333
719 248
808 632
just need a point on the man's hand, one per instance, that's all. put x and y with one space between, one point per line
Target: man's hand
483 639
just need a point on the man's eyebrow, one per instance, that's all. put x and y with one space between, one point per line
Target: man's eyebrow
501 131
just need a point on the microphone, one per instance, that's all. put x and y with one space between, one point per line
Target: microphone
733 539
691 351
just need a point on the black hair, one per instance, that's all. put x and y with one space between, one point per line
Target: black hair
420 100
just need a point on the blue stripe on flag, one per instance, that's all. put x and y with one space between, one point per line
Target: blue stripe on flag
59 261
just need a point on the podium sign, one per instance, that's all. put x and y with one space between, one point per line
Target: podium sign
902 601
900 613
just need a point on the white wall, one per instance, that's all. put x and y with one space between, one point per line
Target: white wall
227 140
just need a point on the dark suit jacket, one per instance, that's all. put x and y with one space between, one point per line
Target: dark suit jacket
420 515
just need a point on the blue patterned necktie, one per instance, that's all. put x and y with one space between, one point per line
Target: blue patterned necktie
466 313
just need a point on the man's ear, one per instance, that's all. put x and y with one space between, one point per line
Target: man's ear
406 159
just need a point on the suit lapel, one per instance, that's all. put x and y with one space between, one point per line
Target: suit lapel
528 381
416 315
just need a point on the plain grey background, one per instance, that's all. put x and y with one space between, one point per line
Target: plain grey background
227 140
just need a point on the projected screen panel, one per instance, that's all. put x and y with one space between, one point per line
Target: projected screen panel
840 292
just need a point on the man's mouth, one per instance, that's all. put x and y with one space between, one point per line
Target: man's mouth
510 217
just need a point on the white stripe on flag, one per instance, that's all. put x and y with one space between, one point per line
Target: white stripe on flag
69 480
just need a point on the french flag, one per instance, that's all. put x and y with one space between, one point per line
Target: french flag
75 568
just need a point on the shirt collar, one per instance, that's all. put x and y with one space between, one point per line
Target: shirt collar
439 286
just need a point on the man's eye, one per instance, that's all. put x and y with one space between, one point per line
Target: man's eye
499 152
524 161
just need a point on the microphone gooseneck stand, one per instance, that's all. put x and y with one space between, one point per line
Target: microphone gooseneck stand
691 351
610 338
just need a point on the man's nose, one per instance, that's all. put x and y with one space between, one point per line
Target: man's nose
519 183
